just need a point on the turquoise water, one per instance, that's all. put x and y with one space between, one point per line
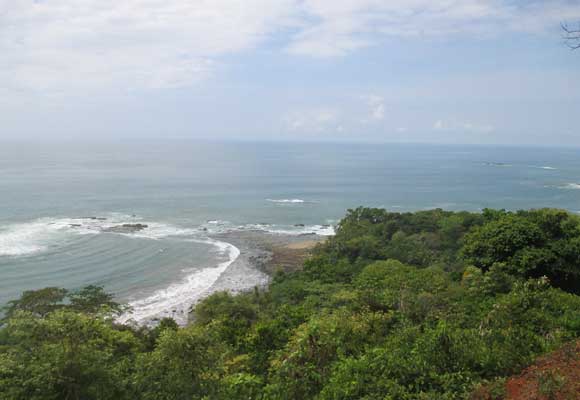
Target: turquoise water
51 195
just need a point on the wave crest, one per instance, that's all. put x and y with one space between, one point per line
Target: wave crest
40 235
571 186
31 237
291 201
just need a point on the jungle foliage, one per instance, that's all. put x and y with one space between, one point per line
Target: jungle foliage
424 305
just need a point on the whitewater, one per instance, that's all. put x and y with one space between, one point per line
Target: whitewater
187 203
192 281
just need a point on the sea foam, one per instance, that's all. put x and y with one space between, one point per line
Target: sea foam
176 300
572 186
18 240
321 230
31 237
216 227
40 235
291 201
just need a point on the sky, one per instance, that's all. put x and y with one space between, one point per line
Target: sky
446 71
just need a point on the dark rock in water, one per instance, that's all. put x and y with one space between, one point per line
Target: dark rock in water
308 234
126 228
74 225
96 218
300 225
326 226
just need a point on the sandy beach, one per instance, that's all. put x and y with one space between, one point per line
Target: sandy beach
270 252
261 255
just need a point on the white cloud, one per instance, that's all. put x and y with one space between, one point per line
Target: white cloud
48 45
314 121
68 45
379 112
439 125
377 105
375 108
453 125
339 27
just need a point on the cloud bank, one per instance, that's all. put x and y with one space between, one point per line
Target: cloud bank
131 43
63 45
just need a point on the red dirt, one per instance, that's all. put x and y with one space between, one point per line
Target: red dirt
555 376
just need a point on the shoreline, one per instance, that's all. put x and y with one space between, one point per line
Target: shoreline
262 254
254 258
270 252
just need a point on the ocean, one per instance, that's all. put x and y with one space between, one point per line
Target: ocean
68 211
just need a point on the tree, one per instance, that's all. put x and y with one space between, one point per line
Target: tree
185 365
531 244
466 299
500 239
93 300
65 355
572 36
90 299
38 302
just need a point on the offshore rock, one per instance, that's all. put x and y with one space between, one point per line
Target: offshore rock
126 228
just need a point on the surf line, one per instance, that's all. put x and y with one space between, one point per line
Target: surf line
176 300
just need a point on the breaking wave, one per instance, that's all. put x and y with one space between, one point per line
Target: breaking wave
27 238
291 201
570 186
220 227
45 233
176 300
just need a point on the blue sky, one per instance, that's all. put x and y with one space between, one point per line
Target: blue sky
449 71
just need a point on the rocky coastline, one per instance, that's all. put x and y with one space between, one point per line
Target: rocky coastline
262 254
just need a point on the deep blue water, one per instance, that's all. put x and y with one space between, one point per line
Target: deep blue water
185 191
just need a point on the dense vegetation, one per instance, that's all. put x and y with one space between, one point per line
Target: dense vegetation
424 305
